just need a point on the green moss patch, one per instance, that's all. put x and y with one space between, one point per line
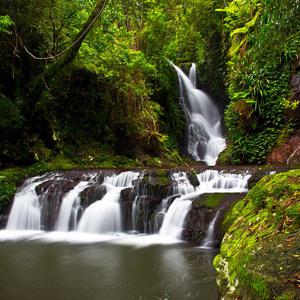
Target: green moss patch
259 256
212 200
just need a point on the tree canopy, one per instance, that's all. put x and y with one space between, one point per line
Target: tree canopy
86 79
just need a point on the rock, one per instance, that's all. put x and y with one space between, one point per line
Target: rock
128 195
193 179
3 221
147 207
202 212
257 258
126 201
287 153
157 183
91 194
51 194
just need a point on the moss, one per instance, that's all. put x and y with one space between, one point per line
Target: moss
262 240
287 295
162 177
193 179
212 200
224 157
158 178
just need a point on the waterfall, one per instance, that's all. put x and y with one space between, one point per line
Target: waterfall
140 191
104 215
26 210
175 217
208 241
204 137
70 205
211 181
97 195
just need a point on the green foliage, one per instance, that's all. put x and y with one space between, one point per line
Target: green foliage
10 118
5 23
262 41
121 85
7 190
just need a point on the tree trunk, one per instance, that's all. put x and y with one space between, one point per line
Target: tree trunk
83 32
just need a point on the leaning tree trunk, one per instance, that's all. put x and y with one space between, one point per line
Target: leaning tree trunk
83 32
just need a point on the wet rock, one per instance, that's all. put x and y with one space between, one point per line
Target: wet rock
91 194
128 195
147 206
126 201
193 179
287 153
202 212
51 194
157 183
3 221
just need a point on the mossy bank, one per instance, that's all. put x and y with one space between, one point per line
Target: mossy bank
259 256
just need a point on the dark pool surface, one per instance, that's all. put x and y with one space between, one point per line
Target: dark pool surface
58 271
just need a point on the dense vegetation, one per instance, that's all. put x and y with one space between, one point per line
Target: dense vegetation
89 81
259 256
264 41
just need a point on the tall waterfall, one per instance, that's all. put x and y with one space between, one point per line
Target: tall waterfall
204 136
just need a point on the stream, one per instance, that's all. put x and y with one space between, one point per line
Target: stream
31 270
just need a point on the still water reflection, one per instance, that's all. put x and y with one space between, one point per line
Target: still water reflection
57 271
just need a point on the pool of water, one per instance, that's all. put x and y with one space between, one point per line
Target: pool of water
36 270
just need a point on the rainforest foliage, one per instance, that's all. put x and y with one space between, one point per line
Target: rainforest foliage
88 80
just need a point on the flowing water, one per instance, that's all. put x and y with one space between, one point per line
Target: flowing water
209 239
97 259
204 136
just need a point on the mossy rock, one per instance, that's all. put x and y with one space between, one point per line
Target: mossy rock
259 255
193 179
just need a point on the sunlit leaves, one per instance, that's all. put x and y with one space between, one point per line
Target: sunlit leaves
5 23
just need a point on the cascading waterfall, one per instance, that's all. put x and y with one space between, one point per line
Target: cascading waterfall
175 215
174 219
103 214
210 181
204 136
26 212
70 205
209 239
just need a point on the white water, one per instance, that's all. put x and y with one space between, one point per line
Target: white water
211 181
25 213
204 137
208 241
69 206
175 217
101 221
104 216
140 191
